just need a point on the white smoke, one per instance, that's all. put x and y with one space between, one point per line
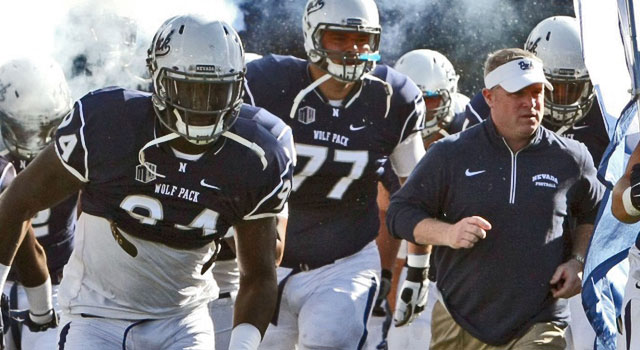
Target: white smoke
107 39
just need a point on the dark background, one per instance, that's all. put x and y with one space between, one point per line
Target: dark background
463 30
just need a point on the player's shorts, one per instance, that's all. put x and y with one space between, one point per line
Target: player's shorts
630 338
327 307
193 331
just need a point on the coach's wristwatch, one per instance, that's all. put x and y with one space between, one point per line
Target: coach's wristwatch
579 258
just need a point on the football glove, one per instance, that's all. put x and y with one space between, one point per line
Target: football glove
24 317
385 288
635 186
413 295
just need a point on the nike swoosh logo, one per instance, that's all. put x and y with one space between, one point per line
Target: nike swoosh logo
580 127
473 173
356 128
204 184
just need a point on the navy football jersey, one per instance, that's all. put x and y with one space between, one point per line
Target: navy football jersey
53 227
590 130
332 209
180 203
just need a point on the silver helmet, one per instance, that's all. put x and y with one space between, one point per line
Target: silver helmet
556 41
435 76
349 16
197 69
34 98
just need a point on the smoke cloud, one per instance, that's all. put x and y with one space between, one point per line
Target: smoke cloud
98 43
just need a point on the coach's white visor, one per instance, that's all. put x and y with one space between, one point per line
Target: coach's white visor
517 74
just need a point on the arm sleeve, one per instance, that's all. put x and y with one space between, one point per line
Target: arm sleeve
421 197
589 192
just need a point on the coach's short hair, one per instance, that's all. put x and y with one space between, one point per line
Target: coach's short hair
500 57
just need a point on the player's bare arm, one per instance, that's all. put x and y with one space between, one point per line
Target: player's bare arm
44 183
256 299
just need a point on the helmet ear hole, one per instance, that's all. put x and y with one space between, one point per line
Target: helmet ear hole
198 74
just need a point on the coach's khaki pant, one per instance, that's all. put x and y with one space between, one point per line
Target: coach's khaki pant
446 334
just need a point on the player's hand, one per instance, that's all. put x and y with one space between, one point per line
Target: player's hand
413 295
567 280
4 318
635 186
385 287
25 317
467 232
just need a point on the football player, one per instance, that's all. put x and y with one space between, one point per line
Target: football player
347 116
162 180
35 100
226 271
435 76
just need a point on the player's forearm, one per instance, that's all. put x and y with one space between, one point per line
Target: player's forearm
617 206
256 300
31 275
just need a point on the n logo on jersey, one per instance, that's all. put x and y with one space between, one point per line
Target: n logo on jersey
306 115
143 174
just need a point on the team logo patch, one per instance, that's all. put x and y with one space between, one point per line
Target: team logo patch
525 65
143 174
208 68
545 180
306 115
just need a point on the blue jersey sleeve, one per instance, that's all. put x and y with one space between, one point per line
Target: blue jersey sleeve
407 110
275 187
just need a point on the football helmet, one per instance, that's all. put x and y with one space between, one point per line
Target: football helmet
197 68
437 79
556 41
34 98
349 16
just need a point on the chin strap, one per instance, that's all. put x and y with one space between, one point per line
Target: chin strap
305 91
252 146
563 129
154 142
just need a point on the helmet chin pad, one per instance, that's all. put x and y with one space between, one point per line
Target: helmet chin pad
346 73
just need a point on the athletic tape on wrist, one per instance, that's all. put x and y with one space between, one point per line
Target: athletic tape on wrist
4 273
245 336
419 261
628 205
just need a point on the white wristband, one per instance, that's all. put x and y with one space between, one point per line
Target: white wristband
419 261
4 272
245 336
40 298
628 205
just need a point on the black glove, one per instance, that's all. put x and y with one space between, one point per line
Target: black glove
413 296
24 317
4 318
385 288
635 186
